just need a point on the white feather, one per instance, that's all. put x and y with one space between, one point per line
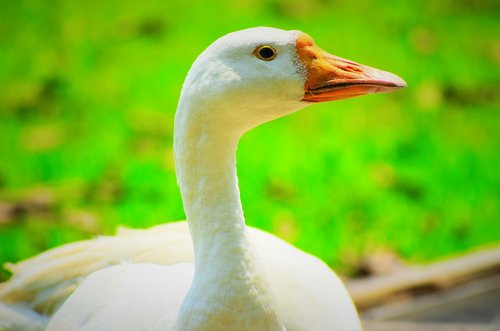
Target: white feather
307 291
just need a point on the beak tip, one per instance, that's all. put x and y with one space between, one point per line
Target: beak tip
392 79
401 83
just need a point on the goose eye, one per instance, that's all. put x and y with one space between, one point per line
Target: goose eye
266 53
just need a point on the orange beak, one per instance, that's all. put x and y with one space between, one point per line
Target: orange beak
332 78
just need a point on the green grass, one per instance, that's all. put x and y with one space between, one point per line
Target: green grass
88 92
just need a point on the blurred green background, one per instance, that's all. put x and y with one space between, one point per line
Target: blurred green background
88 91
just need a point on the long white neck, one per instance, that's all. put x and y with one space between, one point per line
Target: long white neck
229 290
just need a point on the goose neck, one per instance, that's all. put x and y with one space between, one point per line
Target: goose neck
229 285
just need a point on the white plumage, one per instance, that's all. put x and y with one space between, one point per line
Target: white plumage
241 279
303 285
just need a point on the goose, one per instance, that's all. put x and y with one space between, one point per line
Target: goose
242 278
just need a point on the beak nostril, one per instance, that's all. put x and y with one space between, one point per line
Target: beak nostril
352 68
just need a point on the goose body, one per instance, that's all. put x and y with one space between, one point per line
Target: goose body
241 279
303 284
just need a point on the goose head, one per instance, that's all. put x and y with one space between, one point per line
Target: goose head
252 76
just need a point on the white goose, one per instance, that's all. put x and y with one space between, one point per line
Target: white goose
242 80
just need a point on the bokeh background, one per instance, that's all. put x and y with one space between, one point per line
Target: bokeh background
88 92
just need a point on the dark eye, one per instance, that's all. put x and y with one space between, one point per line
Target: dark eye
266 53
